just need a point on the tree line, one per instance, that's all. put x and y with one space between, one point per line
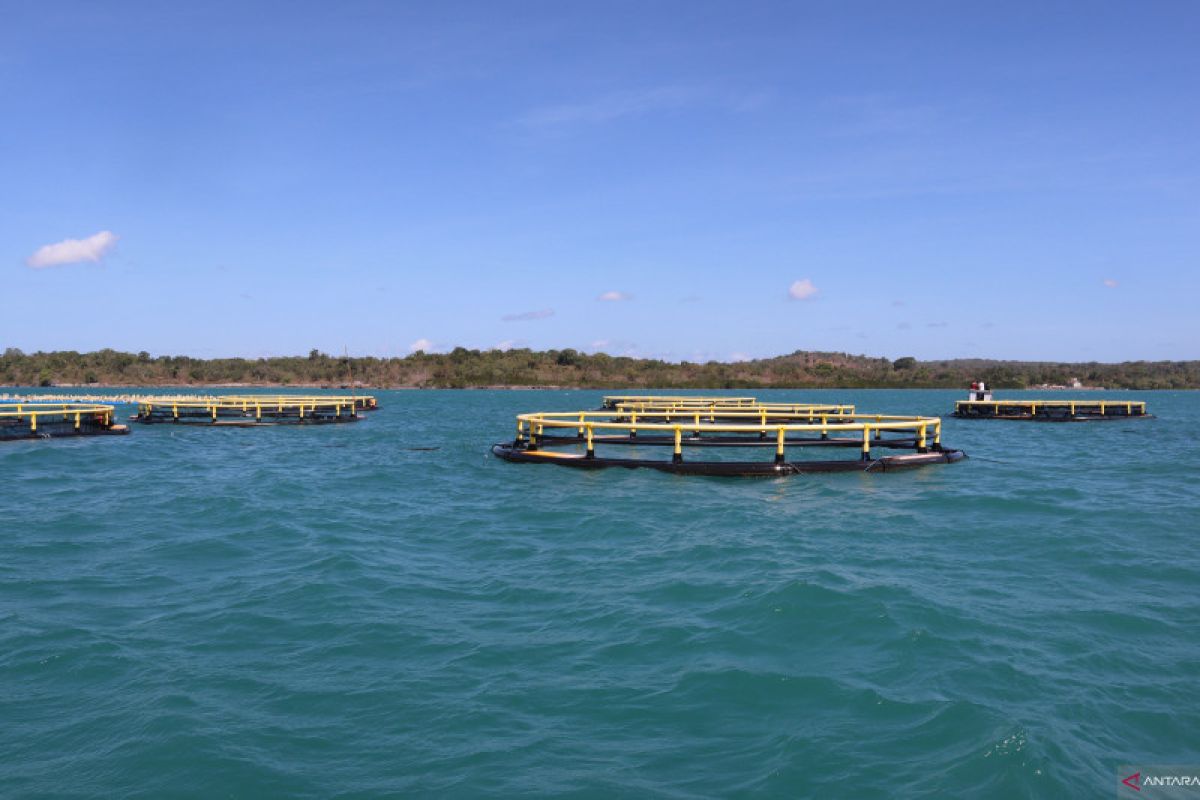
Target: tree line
463 368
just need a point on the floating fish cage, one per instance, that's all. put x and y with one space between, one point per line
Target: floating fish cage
248 411
53 420
719 409
598 439
810 412
361 402
615 400
1050 410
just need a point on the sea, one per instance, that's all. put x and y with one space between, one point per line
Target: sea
385 609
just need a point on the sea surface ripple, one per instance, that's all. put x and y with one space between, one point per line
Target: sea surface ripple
342 611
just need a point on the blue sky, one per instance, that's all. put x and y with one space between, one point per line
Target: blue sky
1015 180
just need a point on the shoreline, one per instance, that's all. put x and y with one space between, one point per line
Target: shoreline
112 393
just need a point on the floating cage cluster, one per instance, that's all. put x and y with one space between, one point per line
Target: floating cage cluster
53 420
253 410
1050 410
573 438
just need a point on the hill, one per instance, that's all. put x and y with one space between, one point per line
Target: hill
463 368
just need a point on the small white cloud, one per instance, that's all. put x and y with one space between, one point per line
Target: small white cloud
619 347
614 297
611 107
72 251
420 344
736 357
802 290
1110 283
528 315
508 344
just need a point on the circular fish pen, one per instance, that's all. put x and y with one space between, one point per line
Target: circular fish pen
55 420
1051 410
247 411
599 439
810 412
615 400
361 402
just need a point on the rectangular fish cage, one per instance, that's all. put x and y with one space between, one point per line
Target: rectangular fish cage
248 411
1050 410
55 420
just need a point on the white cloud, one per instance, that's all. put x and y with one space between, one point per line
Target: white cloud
639 103
1110 283
528 315
72 251
618 347
802 289
736 357
614 297
420 344
612 107
508 344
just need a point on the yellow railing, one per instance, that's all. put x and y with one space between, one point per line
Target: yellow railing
532 427
712 412
1032 406
65 412
245 404
612 401
358 401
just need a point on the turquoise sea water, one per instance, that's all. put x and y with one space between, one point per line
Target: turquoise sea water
330 611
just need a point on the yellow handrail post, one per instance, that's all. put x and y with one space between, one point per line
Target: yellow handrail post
591 448
677 458
866 446
921 448
780 437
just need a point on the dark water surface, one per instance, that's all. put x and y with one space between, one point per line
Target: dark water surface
328 611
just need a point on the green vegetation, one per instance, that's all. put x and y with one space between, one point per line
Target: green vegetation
464 368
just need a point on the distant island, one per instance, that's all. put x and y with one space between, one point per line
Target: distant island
462 368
